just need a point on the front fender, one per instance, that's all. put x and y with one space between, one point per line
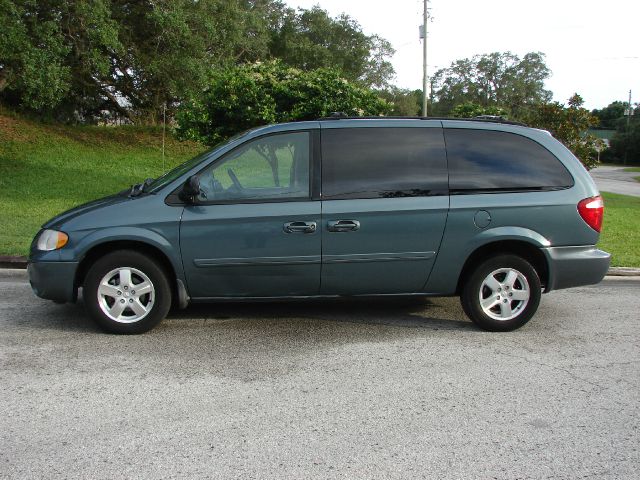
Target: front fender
166 242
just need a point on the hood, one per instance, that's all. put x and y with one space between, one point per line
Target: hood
64 217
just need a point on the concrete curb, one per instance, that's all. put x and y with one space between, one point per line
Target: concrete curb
623 272
11 261
16 262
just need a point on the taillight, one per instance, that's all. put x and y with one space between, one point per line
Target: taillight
592 210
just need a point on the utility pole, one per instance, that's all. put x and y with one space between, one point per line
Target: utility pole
425 78
629 112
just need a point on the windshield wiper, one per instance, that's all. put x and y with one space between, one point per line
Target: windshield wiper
139 188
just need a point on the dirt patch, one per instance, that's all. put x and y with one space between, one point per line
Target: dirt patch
8 127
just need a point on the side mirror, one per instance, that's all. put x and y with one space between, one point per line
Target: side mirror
190 190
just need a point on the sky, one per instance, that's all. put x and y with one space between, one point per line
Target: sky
592 48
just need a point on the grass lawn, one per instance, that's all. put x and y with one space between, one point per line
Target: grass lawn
621 229
46 169
633 169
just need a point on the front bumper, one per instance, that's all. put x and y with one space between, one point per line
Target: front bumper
575 266
53 280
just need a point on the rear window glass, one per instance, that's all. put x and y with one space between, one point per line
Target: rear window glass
383 162
489 160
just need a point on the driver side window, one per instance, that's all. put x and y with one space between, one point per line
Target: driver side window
272 167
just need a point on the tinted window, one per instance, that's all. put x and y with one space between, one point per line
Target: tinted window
383 162
488 160
272 167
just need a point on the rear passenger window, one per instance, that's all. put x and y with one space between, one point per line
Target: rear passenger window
383 162
489 160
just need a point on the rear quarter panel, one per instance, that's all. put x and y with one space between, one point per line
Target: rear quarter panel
542 219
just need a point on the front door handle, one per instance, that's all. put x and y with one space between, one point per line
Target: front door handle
299 227
343 225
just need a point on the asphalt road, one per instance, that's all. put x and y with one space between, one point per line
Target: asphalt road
616 180
375 389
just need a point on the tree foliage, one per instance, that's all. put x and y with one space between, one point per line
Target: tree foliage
246 96
471 110
611 114
78 59
570 125
614 115
625 144
404 103
310 39
32 53
497 79
129 56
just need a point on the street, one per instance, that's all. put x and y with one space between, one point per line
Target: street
616 180
393 388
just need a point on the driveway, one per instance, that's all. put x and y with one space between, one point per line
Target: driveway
616 180
366 389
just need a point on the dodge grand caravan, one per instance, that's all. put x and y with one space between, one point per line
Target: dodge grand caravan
496 213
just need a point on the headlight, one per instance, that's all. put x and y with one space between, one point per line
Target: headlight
51 240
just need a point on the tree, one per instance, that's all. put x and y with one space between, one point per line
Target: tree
570 125
242 97
311 39
614 115
610 114
495 79
32 54
131 56
75 60
173 44
625 144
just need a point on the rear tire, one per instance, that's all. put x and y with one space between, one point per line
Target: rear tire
127 292
502 293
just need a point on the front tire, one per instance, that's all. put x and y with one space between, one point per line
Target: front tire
127 292
502 293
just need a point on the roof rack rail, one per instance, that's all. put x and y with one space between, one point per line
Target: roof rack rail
479 118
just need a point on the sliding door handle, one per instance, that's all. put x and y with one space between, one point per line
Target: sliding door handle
343 225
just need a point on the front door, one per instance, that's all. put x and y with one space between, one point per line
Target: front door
384 206
254 229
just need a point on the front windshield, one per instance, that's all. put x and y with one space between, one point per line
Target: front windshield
180 170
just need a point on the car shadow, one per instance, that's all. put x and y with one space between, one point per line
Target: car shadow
402 312
407 312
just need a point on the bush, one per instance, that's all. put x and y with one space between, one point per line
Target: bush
247 96
471 110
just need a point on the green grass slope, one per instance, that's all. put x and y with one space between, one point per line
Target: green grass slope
46 169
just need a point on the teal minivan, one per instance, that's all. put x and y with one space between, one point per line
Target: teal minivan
494 212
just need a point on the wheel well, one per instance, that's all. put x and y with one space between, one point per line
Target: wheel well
104 248
529 252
